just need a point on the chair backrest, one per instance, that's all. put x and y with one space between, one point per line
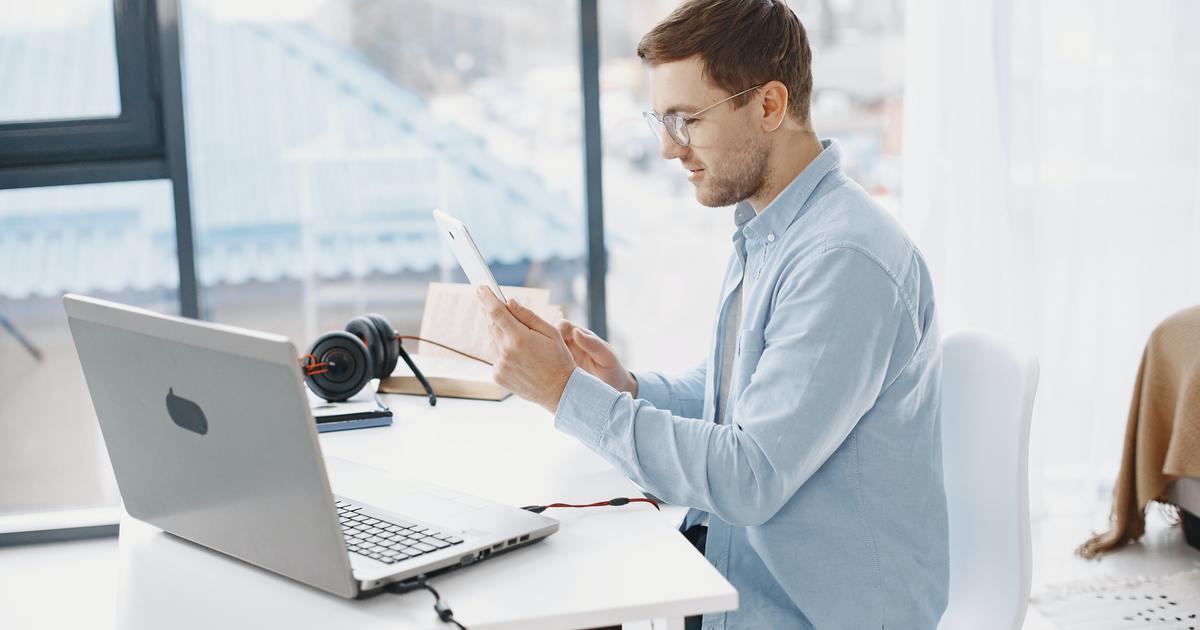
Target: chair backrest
987 400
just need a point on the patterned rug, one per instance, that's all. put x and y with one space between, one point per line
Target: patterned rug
1164 603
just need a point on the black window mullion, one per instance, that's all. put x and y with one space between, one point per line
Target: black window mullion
136 132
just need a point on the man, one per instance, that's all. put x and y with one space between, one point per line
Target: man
810 439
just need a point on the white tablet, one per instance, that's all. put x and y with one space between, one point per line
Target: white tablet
466 252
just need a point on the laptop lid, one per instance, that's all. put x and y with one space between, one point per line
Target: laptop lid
211 438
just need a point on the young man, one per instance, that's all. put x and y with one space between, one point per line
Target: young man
810 439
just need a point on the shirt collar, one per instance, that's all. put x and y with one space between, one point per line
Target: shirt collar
792 201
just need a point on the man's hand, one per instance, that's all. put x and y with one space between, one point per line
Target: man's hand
596 357
534 362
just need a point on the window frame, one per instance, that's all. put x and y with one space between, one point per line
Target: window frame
146 141
135 132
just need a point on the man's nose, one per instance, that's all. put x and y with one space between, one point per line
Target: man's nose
668 148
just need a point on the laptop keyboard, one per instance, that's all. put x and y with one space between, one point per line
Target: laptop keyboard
388 541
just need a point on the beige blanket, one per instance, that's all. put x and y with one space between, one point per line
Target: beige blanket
1162 437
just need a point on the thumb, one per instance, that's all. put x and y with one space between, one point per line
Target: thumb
531 319
588 341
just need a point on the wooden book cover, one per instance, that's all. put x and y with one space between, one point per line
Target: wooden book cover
453 317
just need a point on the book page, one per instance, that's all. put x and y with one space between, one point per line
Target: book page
453 366
453 316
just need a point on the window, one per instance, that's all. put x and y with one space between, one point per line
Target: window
71 48
67 98
92 181
114 241
323 135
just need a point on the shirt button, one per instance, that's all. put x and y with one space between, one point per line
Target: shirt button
771 237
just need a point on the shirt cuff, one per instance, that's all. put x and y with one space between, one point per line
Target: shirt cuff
585 408
653 388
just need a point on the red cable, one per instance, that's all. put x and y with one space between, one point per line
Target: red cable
442 345
617 501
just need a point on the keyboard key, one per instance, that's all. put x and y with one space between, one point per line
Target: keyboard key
423 547
453 540
387 560
439 544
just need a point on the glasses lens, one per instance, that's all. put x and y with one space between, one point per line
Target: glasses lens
677 126
655 125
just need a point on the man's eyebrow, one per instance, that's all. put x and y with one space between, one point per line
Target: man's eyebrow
681 108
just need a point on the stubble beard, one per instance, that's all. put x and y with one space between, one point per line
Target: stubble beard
745 173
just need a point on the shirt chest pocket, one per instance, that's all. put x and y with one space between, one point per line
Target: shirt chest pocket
749 350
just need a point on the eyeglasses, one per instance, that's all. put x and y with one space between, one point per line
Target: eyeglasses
677 124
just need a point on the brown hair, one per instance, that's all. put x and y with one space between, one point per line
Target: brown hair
741 43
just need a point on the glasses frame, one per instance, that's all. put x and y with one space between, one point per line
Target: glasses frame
670 121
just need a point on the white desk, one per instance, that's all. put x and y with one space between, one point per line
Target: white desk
605 566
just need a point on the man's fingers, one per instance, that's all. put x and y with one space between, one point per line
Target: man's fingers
588 340
531 319
577 353
496 312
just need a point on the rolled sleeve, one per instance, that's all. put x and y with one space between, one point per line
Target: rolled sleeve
585 408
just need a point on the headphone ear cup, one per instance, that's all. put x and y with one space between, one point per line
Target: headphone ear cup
365 330
391 345
347 368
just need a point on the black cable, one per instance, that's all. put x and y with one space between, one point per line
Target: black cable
441 608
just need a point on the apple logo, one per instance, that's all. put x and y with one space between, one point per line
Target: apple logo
186 413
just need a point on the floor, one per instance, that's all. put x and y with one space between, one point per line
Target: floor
1162 551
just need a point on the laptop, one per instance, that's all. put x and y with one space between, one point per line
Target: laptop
211 439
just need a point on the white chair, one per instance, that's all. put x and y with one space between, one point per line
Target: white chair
987 401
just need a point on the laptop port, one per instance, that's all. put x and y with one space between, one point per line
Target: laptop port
511 542
525 537
497 546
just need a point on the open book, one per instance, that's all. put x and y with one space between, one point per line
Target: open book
453 317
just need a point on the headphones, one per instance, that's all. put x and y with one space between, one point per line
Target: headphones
340 363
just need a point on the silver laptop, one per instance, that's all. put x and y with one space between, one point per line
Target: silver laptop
211 439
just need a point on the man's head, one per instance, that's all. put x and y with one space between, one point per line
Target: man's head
709 50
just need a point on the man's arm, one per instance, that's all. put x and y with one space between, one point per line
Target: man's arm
837 337
682 395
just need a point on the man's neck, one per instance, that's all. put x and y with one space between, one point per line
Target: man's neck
793 153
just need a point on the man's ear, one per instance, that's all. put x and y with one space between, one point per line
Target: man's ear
775 104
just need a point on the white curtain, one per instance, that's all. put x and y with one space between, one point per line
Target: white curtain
1052 180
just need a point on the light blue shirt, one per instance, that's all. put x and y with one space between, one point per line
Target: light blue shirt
824 484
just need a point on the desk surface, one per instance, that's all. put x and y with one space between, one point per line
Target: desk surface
604 566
